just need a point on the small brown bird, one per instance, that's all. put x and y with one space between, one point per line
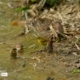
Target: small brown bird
49 46
13 53
59 30
19 48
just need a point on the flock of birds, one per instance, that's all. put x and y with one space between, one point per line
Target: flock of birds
57 31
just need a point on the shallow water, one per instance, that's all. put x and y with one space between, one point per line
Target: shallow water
7 35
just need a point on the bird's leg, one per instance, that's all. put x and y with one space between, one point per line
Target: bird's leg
61 37
49 46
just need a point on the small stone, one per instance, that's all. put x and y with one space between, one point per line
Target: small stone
49 78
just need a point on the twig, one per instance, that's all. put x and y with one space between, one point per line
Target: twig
41 4
77 46
53 31
60 16
31 46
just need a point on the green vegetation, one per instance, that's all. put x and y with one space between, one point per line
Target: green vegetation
24 8
33 1
79 1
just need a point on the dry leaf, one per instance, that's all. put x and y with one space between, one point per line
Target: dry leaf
15 23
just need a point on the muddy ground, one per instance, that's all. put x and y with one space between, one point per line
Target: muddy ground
62 64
